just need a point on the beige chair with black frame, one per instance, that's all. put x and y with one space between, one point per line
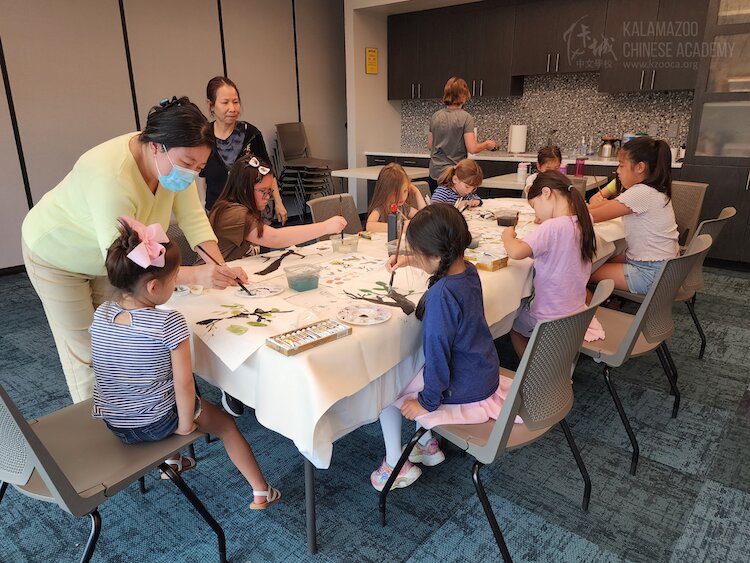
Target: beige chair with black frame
541 393
71 459
694 280
687 202
325 207
289 185
629 336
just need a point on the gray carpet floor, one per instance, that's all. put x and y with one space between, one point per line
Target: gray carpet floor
690 500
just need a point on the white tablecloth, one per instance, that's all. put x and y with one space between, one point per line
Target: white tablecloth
321 394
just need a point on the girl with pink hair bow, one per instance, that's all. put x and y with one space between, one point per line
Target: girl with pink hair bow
144 388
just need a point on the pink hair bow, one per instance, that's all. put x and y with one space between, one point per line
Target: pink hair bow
149 252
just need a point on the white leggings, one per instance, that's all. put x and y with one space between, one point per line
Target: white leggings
390 423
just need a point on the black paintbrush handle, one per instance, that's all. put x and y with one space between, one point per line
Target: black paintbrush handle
246 290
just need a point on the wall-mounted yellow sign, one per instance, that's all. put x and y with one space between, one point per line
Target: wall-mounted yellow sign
371 60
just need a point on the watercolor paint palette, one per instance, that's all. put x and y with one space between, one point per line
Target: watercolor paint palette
295 341
260 290
364 315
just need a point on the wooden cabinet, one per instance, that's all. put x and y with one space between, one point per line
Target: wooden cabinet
655 50
471 41
728 186
420 57
553 36
403 54
485 62
636 45
625 69
680 67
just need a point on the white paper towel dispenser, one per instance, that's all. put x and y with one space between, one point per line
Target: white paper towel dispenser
517 138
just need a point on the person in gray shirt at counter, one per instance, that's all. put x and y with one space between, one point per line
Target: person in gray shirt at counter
451 136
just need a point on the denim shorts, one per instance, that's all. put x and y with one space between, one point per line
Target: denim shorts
525 322
640 274
162 428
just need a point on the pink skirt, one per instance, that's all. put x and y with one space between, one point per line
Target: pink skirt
466 413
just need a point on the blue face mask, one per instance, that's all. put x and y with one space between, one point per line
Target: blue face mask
179 177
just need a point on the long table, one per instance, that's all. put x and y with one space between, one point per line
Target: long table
510 182
323 397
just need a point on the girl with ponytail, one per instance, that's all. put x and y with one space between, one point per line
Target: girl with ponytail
648 217
144 388
460 381
562 247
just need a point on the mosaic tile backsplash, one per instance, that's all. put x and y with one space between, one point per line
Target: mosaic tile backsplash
569 103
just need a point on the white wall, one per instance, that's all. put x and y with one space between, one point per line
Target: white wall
69 81
259 40
68 75
175 47
320 42
14 205
373 122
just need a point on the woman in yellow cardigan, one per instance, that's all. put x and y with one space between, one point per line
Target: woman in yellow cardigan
148 176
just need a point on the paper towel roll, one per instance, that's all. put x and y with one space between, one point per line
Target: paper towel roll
517 138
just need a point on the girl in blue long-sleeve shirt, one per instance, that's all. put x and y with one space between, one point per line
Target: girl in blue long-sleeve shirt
460 382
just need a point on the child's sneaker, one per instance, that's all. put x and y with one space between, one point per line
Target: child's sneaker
408 474
429 455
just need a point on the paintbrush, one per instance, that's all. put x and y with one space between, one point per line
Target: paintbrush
398 248
246 290
341 212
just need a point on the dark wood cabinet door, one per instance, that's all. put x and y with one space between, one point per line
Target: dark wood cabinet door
626 69
403 50
727 187
577 43
532 38
440 39
487 61
677 68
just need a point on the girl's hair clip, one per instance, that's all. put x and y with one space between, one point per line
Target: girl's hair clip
570 187
167 103
247 151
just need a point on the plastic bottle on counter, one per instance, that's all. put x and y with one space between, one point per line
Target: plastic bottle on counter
564 169
580 167
522 172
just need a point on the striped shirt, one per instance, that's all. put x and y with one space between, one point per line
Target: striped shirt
443 194
134 384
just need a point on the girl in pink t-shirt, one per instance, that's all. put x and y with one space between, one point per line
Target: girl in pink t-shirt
562 247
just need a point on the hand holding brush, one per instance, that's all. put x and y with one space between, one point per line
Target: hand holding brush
239 282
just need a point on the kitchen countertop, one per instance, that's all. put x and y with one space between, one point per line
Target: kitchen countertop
503 156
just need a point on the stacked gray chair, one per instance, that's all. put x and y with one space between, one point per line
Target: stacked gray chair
71 459
541 393
308 176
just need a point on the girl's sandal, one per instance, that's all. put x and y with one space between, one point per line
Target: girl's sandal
272 497
180 465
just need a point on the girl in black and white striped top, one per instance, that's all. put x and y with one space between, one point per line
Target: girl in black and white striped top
144 388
